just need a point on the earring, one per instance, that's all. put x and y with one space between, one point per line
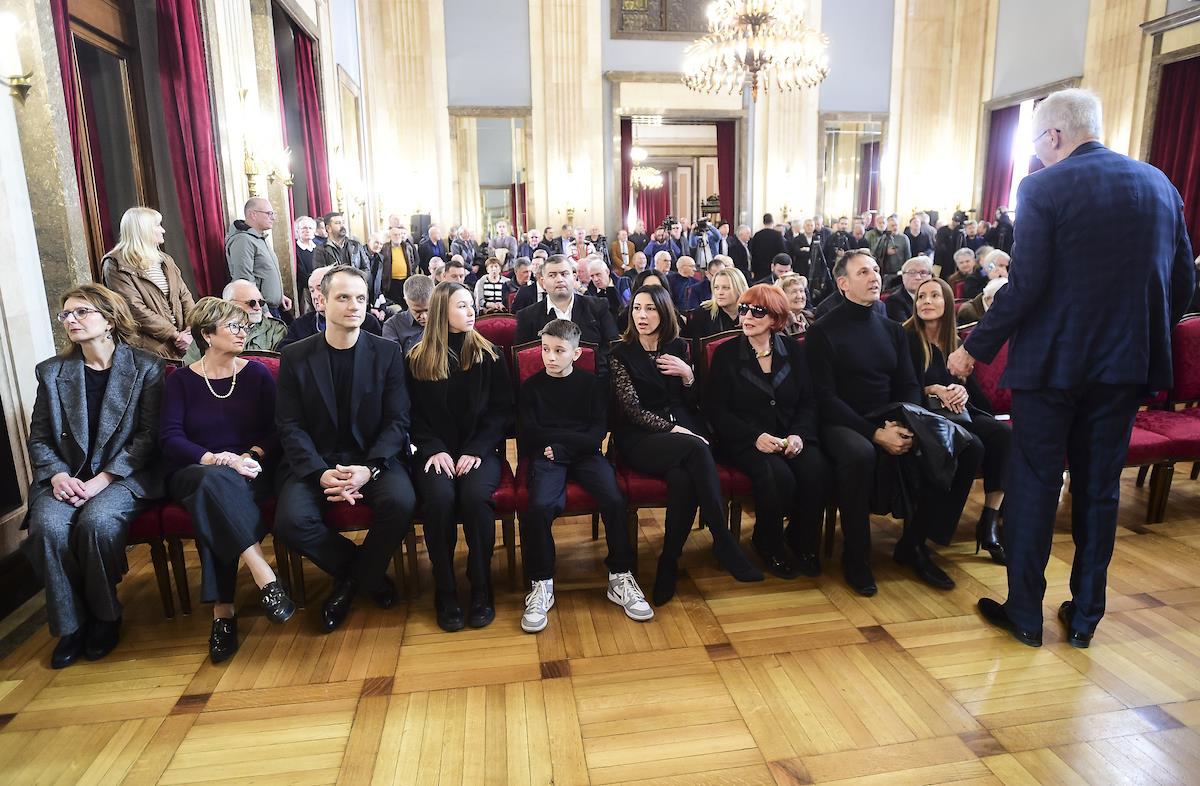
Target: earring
108 335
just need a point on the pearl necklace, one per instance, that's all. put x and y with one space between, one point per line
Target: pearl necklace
232 382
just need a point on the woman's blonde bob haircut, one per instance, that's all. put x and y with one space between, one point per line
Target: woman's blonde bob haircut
208 315
137 246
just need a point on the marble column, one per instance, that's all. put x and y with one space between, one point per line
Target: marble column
1116 67
466 174
566 161
403 49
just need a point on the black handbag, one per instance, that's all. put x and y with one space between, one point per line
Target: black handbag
935 406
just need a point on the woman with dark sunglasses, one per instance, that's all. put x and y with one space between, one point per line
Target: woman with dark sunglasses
759 399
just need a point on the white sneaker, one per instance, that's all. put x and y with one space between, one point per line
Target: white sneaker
538 603
623 590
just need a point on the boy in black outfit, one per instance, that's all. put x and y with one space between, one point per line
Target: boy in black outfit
563 422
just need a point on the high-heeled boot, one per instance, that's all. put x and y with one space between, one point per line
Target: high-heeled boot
987 535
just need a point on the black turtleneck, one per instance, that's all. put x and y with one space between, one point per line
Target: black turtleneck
860 363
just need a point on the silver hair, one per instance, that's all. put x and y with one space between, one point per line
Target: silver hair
963 253
1074 112
231 287
418 288
920 259
301 221
991 258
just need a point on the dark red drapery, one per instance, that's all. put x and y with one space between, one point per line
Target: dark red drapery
868 177
315 157
189 127
626 169
1176 147
726 150
998 169
62 37
654 204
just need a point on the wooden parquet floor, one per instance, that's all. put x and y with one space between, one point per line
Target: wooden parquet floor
780 682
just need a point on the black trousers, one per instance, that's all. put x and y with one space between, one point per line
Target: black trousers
547 500
226 521
446 500
854 459
688 467
300 524
1088 427
997 449
795 487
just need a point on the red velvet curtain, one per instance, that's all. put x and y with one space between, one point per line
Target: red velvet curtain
868 177
653 205
315 157
183 75
62 37
998 170
1176 147
726 150
626 169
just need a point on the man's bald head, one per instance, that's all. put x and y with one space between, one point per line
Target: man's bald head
259 213
314 286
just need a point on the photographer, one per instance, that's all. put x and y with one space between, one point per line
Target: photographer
667 238
704 243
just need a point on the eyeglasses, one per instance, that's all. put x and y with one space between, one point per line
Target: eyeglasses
237 327
758 311
254 303
80 314
1047 131
267 213
918 273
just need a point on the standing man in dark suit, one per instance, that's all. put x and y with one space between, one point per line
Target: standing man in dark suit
766 243
739 250
432 246
343 416
1083 352
596 325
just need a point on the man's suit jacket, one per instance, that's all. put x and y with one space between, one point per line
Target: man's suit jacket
739 252
306 410
900 305
622 256
596 325
766 243
127 433
428 251
1079 308
313 323
526 296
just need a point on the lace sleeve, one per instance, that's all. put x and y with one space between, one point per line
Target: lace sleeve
628 405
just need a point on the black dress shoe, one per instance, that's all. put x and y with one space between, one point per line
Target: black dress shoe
449 612
996 614
337 605
385 595
808 564
223 640
278 606
1077 639
664 581
776 564
921 561
730 556
483 609
69 648
102 638
860 578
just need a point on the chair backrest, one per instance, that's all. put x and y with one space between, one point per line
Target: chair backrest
268 359
501 330
959 287
709 344
527 359
988 376
1185 359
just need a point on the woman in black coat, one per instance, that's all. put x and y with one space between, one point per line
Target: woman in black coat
92 441
719 314
462 404
659 432
759 399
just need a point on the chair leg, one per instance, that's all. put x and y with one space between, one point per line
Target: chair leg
510 549
158 556
1195 470
631 520
411 543
398 566
283 571
296 561
595 526
830 528
175 549
1160 489
735 519
1141 478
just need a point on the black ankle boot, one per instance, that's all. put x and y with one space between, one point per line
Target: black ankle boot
730 556
987 535
664 580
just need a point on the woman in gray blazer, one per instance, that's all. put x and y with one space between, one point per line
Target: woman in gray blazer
93 433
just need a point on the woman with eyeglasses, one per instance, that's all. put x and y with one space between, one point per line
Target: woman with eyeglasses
151 282
91 442
759 399
217 434
659 432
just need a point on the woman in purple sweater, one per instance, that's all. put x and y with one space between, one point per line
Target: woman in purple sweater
217 429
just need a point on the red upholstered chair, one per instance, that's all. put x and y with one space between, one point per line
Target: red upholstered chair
501 330
958 290
988 376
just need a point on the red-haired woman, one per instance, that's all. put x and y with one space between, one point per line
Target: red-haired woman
760 403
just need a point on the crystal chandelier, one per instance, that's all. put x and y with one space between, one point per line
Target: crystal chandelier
643 177
760 42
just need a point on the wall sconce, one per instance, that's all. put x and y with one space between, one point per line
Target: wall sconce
282 170
252 169
12 74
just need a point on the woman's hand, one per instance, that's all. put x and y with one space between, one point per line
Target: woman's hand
441 462
769 443
794 446
183 341
222 459
953 397
674 366
94 486
68 489
690 433
466 464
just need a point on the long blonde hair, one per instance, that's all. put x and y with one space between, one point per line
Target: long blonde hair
737 280
429 360
136 246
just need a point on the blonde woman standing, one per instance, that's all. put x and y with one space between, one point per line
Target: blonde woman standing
151 282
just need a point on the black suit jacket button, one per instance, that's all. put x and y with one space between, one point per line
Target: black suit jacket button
772 402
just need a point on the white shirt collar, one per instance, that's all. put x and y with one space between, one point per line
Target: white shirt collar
553 309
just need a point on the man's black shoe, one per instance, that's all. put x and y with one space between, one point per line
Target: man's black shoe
860 578
483 609
337 605
449 612
1077 639
996 614
921 561
385 596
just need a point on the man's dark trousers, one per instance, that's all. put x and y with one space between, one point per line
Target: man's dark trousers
1089 428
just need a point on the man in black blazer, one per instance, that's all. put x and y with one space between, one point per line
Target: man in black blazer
433 246
1089 325
766 243
343 416
739 250
913 274
596 325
